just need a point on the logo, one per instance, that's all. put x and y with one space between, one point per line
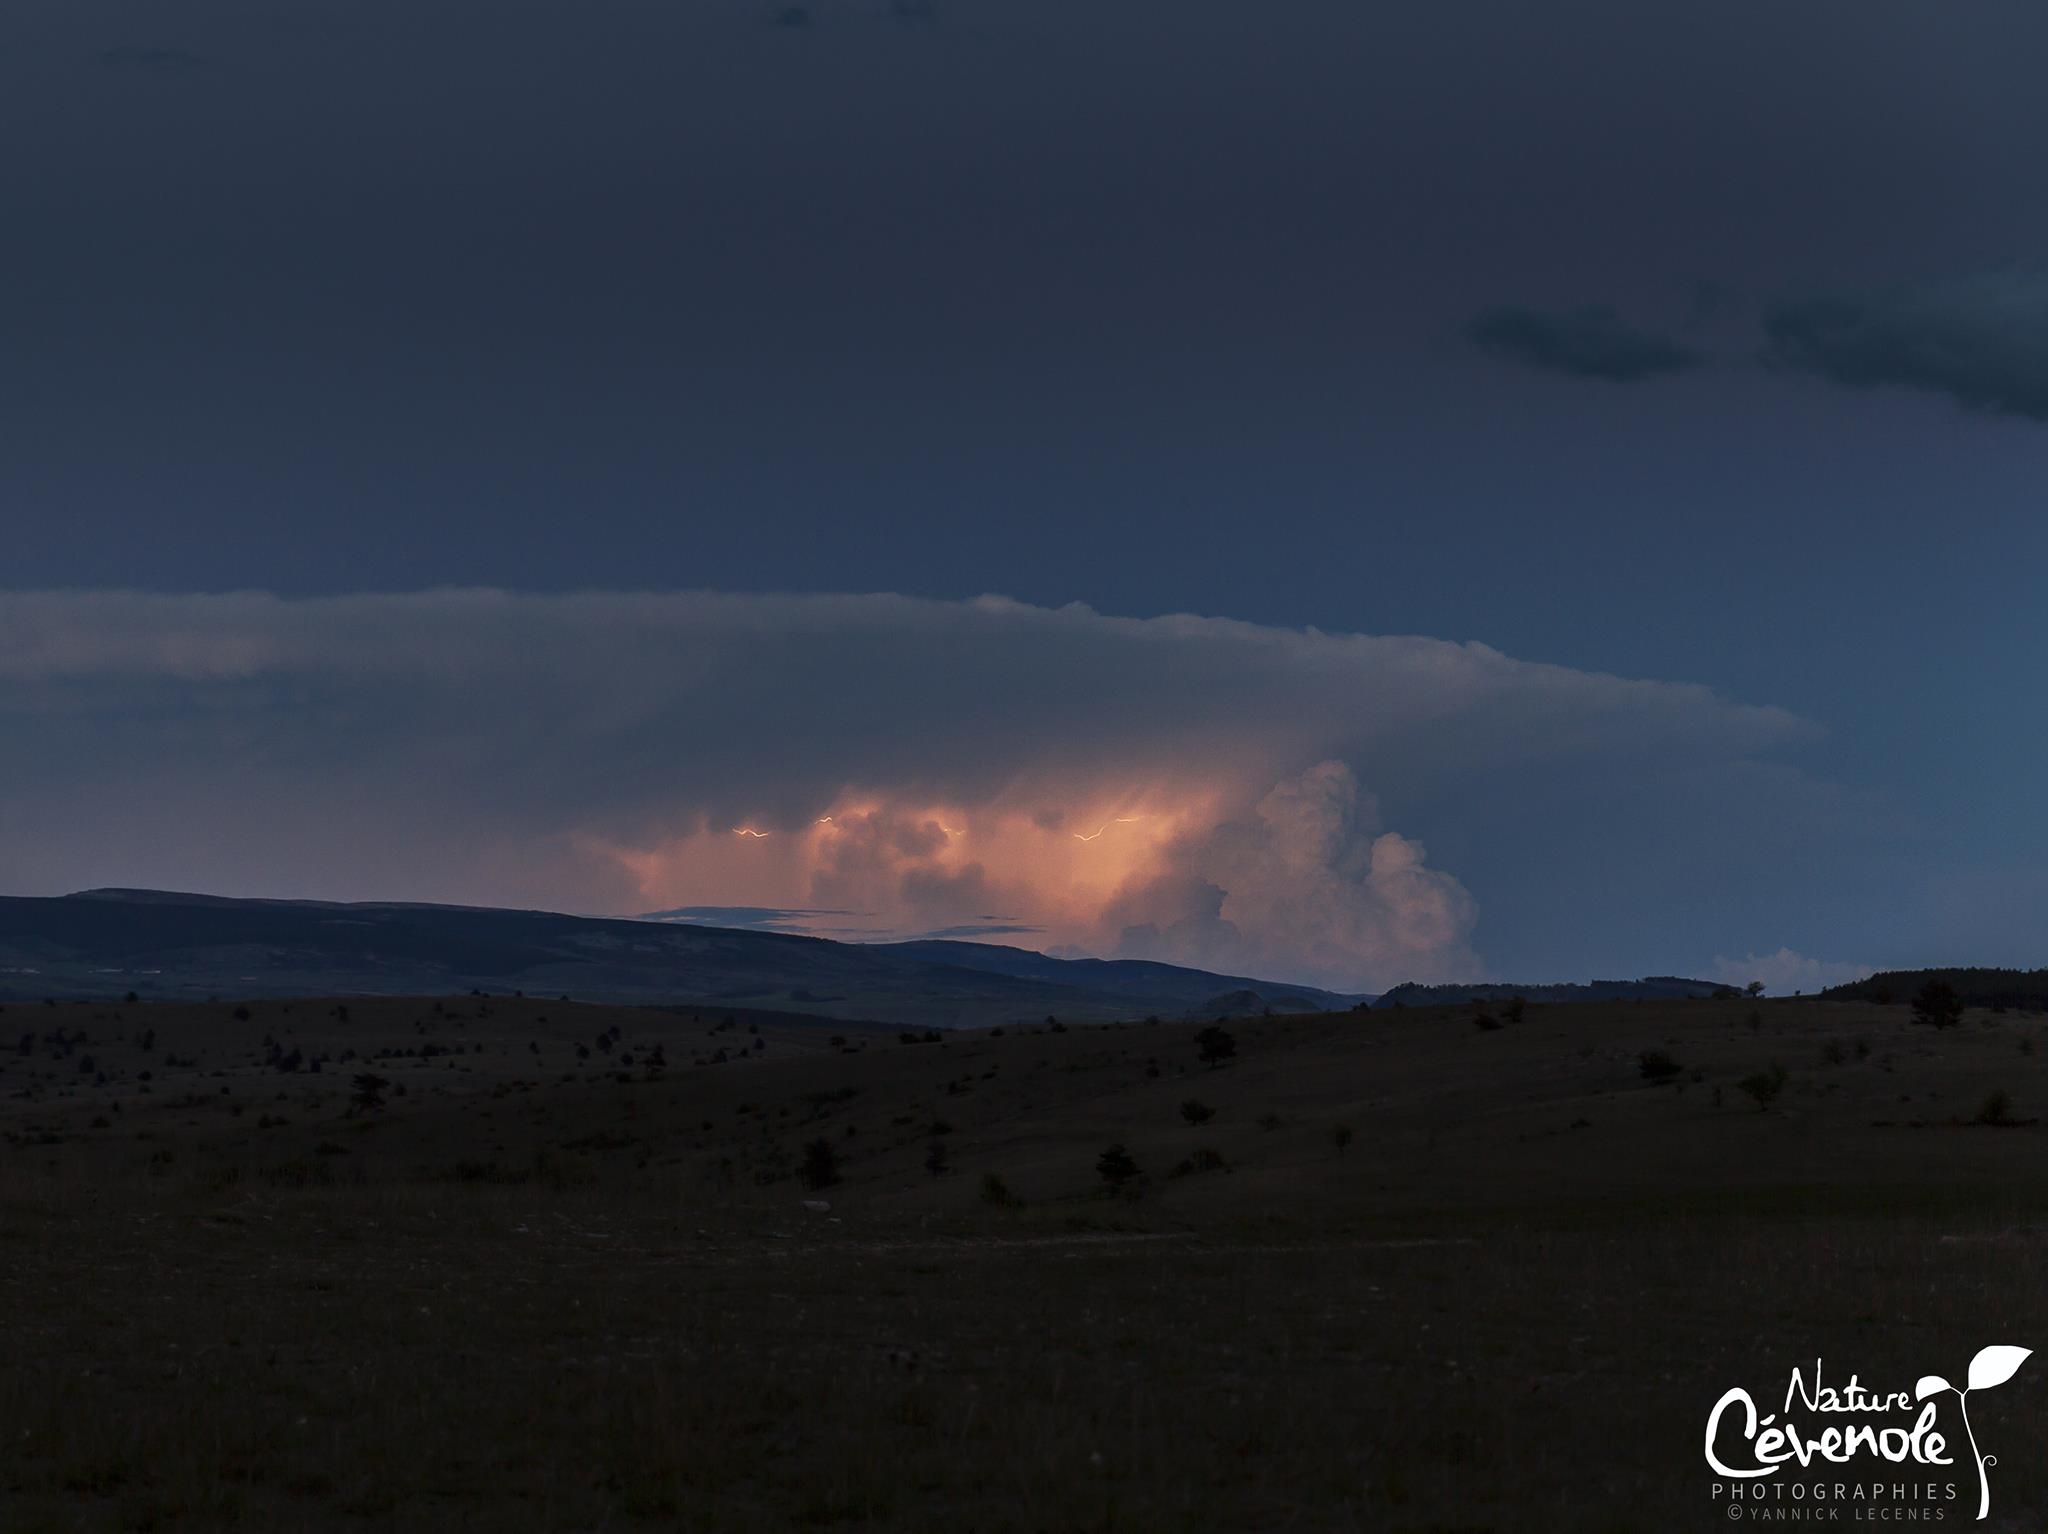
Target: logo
1823 1425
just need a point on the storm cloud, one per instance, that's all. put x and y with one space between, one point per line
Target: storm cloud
1585 343
1181 786
1981 339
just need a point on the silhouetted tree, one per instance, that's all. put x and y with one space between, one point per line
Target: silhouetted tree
1196 1112
1937 1005
1215 1045
821 1164
366 1093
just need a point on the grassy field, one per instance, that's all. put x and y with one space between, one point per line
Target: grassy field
1410 1273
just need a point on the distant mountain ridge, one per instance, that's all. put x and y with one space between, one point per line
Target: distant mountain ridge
1130 977
1649 988
169 945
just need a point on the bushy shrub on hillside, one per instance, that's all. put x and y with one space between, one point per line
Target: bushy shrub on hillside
1115 1167
1763 1087
1656 1066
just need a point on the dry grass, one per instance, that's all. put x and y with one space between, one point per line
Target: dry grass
511 1301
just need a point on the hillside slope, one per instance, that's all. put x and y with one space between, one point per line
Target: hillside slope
166 946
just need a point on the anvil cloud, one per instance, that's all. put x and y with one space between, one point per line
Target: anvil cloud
1182 787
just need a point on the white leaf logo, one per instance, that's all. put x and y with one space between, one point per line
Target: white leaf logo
1995 1365
1929 1383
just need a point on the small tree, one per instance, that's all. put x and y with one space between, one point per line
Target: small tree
1513 1008
935 1158
821 1164
1215 1045
1340 1138
1754 989
1937 1005
1196 1112
366 1093
1115 1167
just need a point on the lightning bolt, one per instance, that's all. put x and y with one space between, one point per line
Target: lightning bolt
748 831
1121 820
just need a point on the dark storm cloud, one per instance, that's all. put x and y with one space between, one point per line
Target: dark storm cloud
1586 343
1981 339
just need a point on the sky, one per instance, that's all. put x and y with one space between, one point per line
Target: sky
1353 493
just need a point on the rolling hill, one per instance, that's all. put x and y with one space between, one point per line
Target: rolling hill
171 946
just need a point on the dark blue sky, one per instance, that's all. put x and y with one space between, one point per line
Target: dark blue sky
1278 313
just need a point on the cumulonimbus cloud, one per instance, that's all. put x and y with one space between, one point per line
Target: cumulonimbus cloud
1193 788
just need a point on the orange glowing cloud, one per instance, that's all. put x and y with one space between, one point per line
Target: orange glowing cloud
911 866
1299 881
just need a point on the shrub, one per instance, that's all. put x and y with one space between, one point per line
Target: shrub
366 1093
1215 1045
1656 1066
1115 1167
1203 1160
995 1191
1196 1112
1486 1022
1514 1008
1997 1110
1340 1138
935 1158
1764 1086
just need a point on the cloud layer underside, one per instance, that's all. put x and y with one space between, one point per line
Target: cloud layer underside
1189 787
1585 343
1981 339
